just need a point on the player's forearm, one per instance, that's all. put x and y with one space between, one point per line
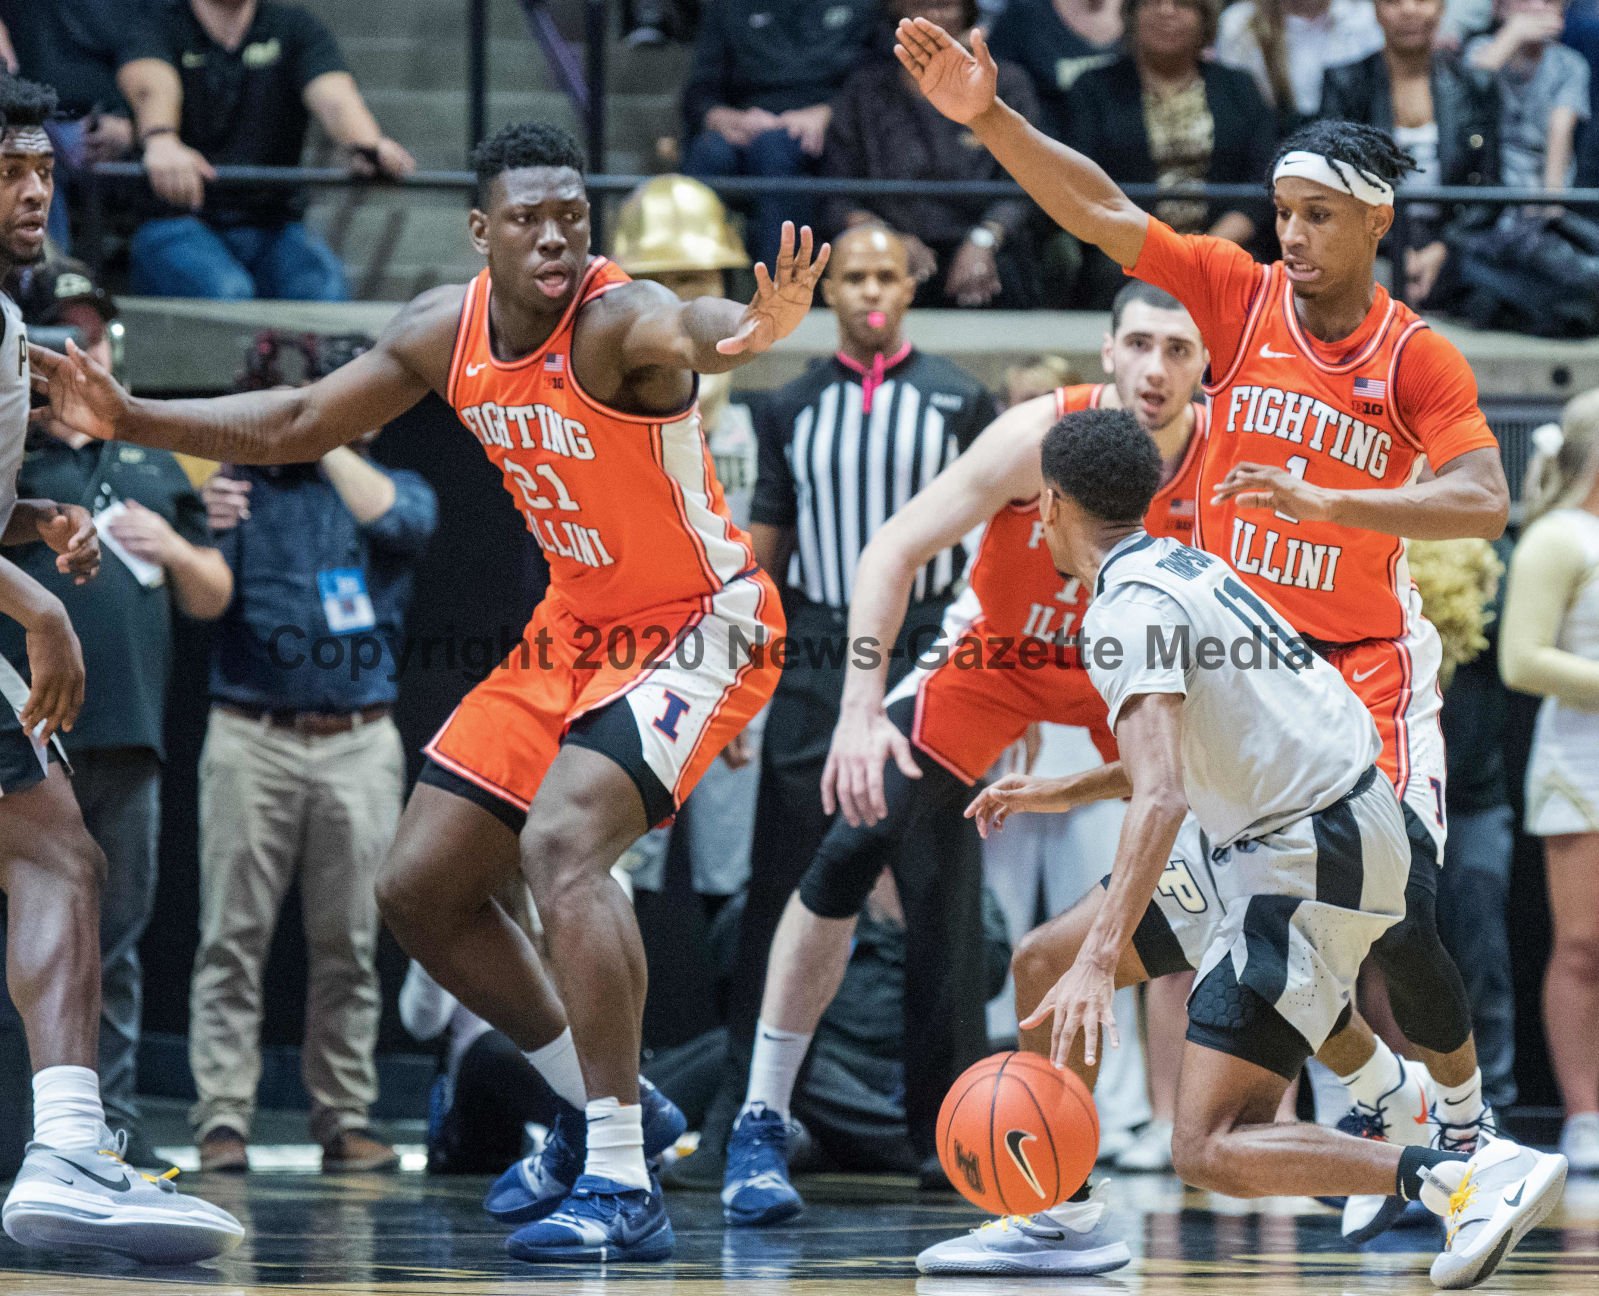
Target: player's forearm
23 528
1444 508
1148 833
267 427
1070 186
883 583
26 601
705 322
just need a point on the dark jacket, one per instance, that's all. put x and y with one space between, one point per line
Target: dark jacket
1105 114
883 129
775 54
1465 103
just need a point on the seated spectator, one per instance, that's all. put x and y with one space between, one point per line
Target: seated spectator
235 82
1055 42
1162 114
1543 93
1440 109
756 102
1288 45
73 49
963 252
1550 646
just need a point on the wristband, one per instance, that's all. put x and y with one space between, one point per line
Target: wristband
146 136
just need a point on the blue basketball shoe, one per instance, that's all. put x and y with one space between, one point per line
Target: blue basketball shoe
536 1185
600 1220
755 1189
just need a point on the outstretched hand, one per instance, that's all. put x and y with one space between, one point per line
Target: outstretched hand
780 303
83 394
960 85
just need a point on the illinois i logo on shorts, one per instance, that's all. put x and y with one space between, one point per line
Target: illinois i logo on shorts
674 711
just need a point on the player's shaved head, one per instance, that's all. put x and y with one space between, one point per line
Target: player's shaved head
868 238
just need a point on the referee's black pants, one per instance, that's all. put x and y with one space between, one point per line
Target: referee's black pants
790 826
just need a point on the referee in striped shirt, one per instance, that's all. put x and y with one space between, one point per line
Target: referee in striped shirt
840 450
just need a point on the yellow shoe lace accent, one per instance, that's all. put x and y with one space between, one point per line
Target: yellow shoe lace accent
1458 1201
112 1156
1004 1222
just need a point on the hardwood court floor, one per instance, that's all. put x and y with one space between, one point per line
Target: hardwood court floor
407 1235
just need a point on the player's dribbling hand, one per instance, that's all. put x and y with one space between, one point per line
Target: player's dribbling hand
958 84
852 779
1080 1003
1257 486
70 532
779 303
83 394
55 661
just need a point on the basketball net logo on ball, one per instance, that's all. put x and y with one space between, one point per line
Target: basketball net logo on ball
1017 1136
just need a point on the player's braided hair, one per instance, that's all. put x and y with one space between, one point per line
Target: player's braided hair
1365 148
1105 461
525 144
25 103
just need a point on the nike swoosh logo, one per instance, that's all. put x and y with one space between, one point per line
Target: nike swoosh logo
1516 1200
1013 1144
1266 353
1455 1102
104 1183
1360 677
1426 1112
472 370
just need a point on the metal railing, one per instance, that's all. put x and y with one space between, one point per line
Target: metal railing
98 180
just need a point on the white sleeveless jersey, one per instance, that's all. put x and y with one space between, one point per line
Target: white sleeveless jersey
1271 733
14 402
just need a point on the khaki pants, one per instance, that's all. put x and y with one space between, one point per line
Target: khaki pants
274 804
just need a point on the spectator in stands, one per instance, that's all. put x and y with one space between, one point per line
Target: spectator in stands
1164 114
1055 42
158 556
1543 93
1288 45
756 102
675 231
73 48
216 83
1550 646
1440 109
963 252
302 775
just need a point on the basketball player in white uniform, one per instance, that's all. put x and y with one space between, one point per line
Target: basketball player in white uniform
74 1190
1251 764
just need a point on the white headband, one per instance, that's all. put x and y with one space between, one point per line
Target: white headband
26 139
1335 175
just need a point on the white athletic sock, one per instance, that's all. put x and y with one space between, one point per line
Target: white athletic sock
774 1067
1381 1074
1460 1104
557 1063
616 1143
66 1107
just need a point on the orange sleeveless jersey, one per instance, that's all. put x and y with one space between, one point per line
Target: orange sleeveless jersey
1358 414
626 507
1021 593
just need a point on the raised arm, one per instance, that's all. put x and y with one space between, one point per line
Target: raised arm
1001 466
713 335
1072 188
266 427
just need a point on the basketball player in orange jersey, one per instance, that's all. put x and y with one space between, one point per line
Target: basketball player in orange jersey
1001 663
637 667
1329 399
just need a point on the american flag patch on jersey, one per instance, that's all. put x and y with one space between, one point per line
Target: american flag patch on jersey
555 362
1181 508
1371 388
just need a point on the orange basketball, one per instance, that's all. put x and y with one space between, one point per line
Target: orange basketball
1015 1135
